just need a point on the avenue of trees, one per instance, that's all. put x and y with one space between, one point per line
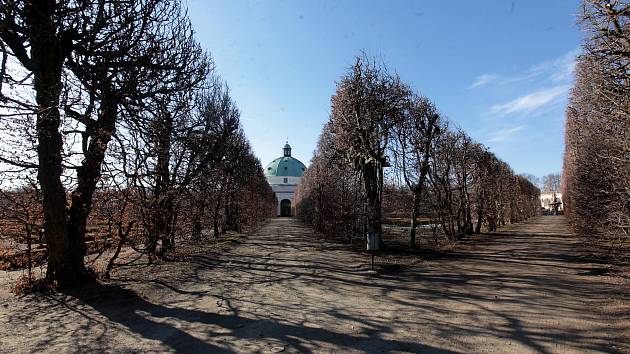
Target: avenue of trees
548 183
596 182
114 130
383 138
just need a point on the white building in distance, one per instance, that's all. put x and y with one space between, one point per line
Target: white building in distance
283 175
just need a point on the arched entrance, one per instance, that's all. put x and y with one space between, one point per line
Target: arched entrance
285 207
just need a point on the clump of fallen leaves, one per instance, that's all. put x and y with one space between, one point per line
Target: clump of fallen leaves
26 286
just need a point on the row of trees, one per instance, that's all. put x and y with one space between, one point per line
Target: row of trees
380 128
597 157
548 183
115 111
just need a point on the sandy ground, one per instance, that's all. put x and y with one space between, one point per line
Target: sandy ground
520 290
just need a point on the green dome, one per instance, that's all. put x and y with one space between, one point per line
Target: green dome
285 166
287 146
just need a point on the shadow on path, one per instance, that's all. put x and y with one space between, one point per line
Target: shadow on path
125 307
521 290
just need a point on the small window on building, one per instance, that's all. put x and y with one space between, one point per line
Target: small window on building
286 180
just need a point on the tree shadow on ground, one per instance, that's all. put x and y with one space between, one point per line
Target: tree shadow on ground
519 294
531 287
127 308
456 283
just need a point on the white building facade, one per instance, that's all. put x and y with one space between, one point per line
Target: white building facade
283 175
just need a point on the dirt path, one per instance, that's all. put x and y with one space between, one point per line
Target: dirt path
521 290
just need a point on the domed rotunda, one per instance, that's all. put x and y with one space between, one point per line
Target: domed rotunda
283 175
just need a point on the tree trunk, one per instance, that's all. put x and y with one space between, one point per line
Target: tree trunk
199 211
163 213
414 222
469 222
233 221
89 173
122 235
373 179
29 258
65 257
229 212
479 219
215 219
196 229
165 230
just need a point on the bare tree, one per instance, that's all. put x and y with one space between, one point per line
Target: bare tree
533 179
452 179
413 150
551 182
365 106
92 58
21 208
596 190
330 195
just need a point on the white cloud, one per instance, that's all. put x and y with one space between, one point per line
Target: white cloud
530 102
557 70
484 79
504 134
565 67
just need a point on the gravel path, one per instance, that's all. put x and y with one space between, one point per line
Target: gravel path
520 290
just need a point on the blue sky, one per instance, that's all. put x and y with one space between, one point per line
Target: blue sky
499 69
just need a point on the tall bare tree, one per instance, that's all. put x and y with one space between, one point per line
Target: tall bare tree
367 103
596 190
88 59
551 182
413 150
